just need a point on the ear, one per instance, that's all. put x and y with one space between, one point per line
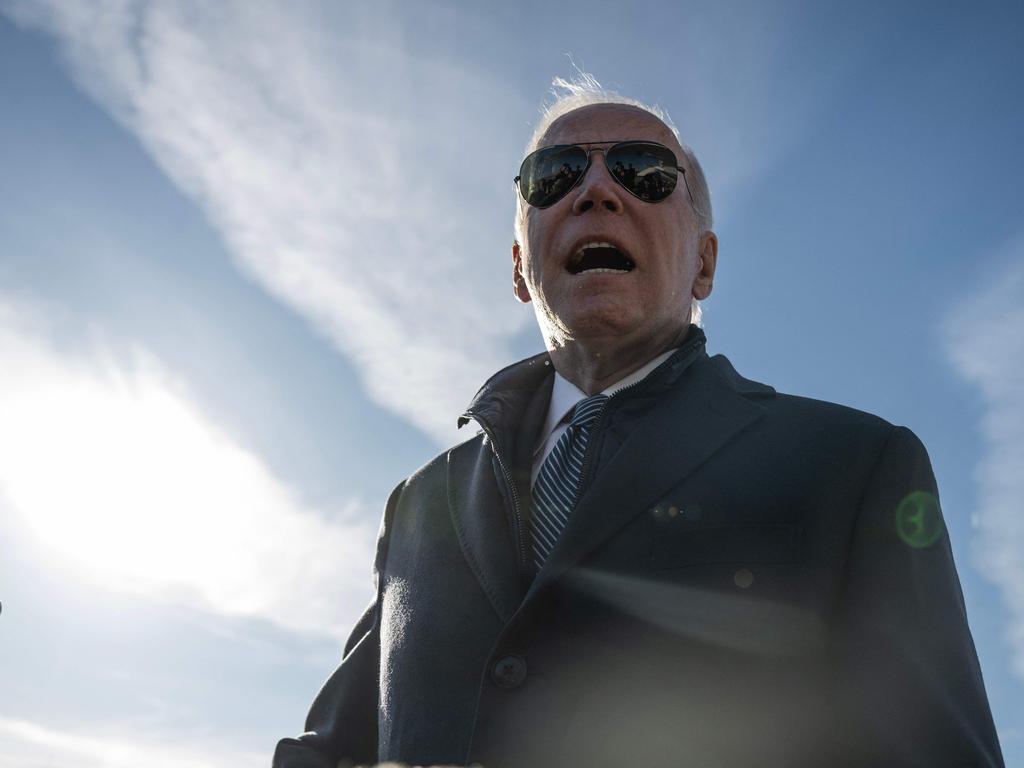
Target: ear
707 250
518 279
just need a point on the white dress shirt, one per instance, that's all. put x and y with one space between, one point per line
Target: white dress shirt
565 395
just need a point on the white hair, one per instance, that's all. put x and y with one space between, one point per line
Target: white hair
584 90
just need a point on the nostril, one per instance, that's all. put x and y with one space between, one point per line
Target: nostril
586 205
610 205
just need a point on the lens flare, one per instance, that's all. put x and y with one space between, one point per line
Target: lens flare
919 520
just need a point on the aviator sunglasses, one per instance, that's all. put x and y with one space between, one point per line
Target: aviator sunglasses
645 169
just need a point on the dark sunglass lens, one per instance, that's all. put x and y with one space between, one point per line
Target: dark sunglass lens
548 174
646 170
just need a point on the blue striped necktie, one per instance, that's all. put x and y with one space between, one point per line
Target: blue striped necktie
554 492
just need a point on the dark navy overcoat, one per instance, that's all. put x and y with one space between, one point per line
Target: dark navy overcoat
751 579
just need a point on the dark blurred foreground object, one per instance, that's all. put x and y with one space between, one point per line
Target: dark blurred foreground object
752 579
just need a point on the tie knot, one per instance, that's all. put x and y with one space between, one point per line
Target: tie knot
586 410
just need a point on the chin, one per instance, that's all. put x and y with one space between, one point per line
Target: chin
610 322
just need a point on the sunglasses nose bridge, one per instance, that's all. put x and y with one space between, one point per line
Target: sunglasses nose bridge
600 189
590 157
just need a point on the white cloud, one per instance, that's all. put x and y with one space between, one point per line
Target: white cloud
987 348
24 744
355 179
124 480
322 150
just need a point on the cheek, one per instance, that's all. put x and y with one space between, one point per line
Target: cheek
533 272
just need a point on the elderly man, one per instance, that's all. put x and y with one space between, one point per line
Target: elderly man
644 558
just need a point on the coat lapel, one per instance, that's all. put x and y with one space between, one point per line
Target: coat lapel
479 498
481 525
701 414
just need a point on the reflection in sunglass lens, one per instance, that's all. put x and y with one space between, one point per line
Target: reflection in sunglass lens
548 174
646 170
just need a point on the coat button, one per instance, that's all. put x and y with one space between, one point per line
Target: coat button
509 671
743 578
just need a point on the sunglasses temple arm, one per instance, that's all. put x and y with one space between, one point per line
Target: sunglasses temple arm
689 194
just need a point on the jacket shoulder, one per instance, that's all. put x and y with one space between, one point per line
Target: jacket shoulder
437 467
796 411
797 420
832 414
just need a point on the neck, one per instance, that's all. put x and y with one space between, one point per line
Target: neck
594 364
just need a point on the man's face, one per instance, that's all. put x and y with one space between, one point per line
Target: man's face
652 299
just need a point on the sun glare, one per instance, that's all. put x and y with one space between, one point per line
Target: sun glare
121 477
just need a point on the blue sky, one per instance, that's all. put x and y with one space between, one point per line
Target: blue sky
254 260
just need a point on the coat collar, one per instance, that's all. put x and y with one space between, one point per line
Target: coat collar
708 406
704 397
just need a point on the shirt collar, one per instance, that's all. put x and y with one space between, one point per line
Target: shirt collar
565 394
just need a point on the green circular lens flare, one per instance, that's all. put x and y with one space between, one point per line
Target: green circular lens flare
918 519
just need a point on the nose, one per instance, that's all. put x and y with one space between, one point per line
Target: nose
598 188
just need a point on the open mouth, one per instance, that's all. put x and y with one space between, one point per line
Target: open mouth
599 256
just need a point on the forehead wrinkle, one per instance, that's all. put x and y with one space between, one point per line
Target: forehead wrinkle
647 127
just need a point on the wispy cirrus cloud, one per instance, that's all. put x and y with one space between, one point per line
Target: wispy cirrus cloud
124 480
27 744
313 138
987 349
354 178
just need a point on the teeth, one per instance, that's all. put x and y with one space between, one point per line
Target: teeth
596 244
576 261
